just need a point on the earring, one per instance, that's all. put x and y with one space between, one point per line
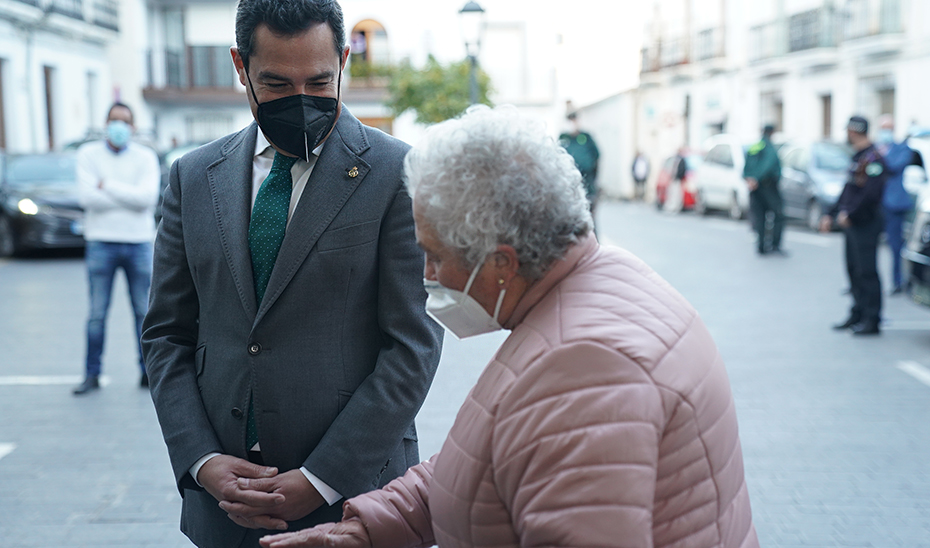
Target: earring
500 281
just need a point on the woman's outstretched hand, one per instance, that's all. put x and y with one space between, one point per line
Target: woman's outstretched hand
345 534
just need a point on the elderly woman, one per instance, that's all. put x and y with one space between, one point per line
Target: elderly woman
605 419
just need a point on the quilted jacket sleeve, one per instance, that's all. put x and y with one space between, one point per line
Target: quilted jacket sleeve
397 515
575 449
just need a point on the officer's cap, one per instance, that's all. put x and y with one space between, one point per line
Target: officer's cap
858 124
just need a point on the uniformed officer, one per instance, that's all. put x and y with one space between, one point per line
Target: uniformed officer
859 212
581 147
762 172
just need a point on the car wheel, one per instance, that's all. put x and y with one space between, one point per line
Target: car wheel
814 213
700 206
7 240
736 212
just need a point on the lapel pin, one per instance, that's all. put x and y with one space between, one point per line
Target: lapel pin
353 172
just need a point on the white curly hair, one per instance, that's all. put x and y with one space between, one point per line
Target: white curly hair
492 177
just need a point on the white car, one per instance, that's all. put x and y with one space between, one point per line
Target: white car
719 183
915 176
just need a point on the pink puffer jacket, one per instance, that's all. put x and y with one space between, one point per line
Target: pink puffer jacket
605 419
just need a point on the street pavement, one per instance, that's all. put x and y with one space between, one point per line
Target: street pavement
835 429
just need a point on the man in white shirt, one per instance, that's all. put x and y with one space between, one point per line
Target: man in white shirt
118 182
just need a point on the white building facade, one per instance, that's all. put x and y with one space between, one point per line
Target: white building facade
806 66
177 58
54 71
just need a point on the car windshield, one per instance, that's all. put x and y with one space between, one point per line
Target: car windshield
43 169
831 157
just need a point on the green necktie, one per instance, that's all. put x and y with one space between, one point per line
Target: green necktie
266 232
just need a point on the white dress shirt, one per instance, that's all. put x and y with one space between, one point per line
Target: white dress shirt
262 161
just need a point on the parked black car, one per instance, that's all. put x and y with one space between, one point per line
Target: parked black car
917 253
812 179
39 206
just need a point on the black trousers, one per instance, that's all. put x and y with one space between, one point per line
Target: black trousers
763 200
862 267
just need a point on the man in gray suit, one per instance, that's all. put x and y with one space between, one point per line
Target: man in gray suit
286 342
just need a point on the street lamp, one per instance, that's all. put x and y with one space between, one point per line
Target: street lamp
472 20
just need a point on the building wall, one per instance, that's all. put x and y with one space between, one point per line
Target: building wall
80 76
856 70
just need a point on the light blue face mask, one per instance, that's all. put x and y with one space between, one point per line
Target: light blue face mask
118 133
886 136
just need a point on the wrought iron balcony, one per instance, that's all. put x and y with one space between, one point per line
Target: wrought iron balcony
194 74
816 28
709 44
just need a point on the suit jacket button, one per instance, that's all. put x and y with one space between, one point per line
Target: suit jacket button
236 413
255 349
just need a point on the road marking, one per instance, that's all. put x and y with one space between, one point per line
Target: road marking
810 239
6 449
45 380
916 370
913 325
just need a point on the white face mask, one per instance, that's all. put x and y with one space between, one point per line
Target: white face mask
458 312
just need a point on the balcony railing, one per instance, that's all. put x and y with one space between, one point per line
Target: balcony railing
709 44
106 14
192 67
861 23
816 28
71 8
673 52
767 41
101 13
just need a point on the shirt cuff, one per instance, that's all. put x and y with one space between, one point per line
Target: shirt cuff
195 469
328 493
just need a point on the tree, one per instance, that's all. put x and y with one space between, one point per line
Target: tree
436 93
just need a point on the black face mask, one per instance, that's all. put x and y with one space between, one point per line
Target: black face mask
297 123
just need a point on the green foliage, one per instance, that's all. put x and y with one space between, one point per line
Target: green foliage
364 69
436 92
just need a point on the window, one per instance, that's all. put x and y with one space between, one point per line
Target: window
2 109
202 128
826 112
49 77
175 61
92 119
886 101
211 68
368 43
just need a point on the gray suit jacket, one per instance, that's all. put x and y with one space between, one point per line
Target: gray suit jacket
339 355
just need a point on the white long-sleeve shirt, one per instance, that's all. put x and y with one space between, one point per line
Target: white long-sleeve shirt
122 209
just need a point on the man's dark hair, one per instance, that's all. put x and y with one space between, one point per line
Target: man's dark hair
287 17
121 105
768 130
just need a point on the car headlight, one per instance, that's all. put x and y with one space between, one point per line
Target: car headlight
27 206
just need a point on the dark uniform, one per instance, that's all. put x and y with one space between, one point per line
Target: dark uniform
763 165
581 147
861 201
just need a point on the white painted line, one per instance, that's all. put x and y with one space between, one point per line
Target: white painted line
906 325
46 380
6 449
809 239
916 370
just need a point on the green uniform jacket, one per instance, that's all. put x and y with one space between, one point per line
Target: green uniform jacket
762 163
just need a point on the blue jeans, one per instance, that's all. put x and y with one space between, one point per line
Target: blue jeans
894 235
103 259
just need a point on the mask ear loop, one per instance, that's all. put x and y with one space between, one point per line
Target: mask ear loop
500 301
471 279
251 86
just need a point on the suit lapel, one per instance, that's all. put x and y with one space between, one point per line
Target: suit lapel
338 172
230 181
